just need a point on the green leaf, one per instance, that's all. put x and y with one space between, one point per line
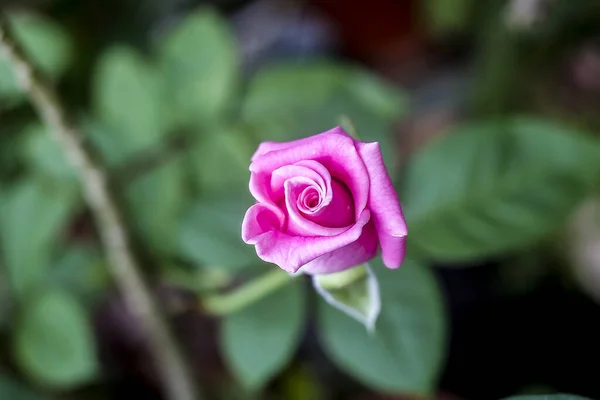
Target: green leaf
288 102
156 201
45 155
81 270
45 42
7 300
33 214
495 187
11 150
405 353
108 141
559 396
504 67
200 60
210 233
10 389
54 343
128 98
261 339
221 158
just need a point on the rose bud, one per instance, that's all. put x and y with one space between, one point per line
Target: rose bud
325 203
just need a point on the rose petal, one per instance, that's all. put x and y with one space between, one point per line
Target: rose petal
308 169
267 147
351 255
338 212
384 206
292 252
335 151
259 219
299 224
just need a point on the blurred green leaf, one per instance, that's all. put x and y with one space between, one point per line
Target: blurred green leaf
33 214
156 201
45 42
405 353
495 187
7 301
128 98
107 140
288 102
210 233
558 396
221 158
503 67
45 155
11 152
54 342
81 270
12 390
200 60
447 16
261 339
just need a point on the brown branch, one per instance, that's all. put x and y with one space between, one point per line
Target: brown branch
177 378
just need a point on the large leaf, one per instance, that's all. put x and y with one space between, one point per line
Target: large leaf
12 390
54 343
128 98
495 187
210 233
287 102
405 353
46 43
260 340
33 214
200 60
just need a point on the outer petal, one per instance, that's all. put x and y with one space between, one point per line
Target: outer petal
266 147
351 255
290 253
259 219
384 206
336 152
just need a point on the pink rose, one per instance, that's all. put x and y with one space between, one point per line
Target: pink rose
324 204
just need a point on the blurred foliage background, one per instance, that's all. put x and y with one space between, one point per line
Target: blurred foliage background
488 116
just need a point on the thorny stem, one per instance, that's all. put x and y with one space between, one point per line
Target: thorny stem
176 376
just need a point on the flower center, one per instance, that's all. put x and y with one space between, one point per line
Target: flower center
337 213
309 200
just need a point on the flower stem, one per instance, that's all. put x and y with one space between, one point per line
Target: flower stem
223 304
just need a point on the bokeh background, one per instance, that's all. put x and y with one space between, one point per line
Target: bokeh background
488 113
